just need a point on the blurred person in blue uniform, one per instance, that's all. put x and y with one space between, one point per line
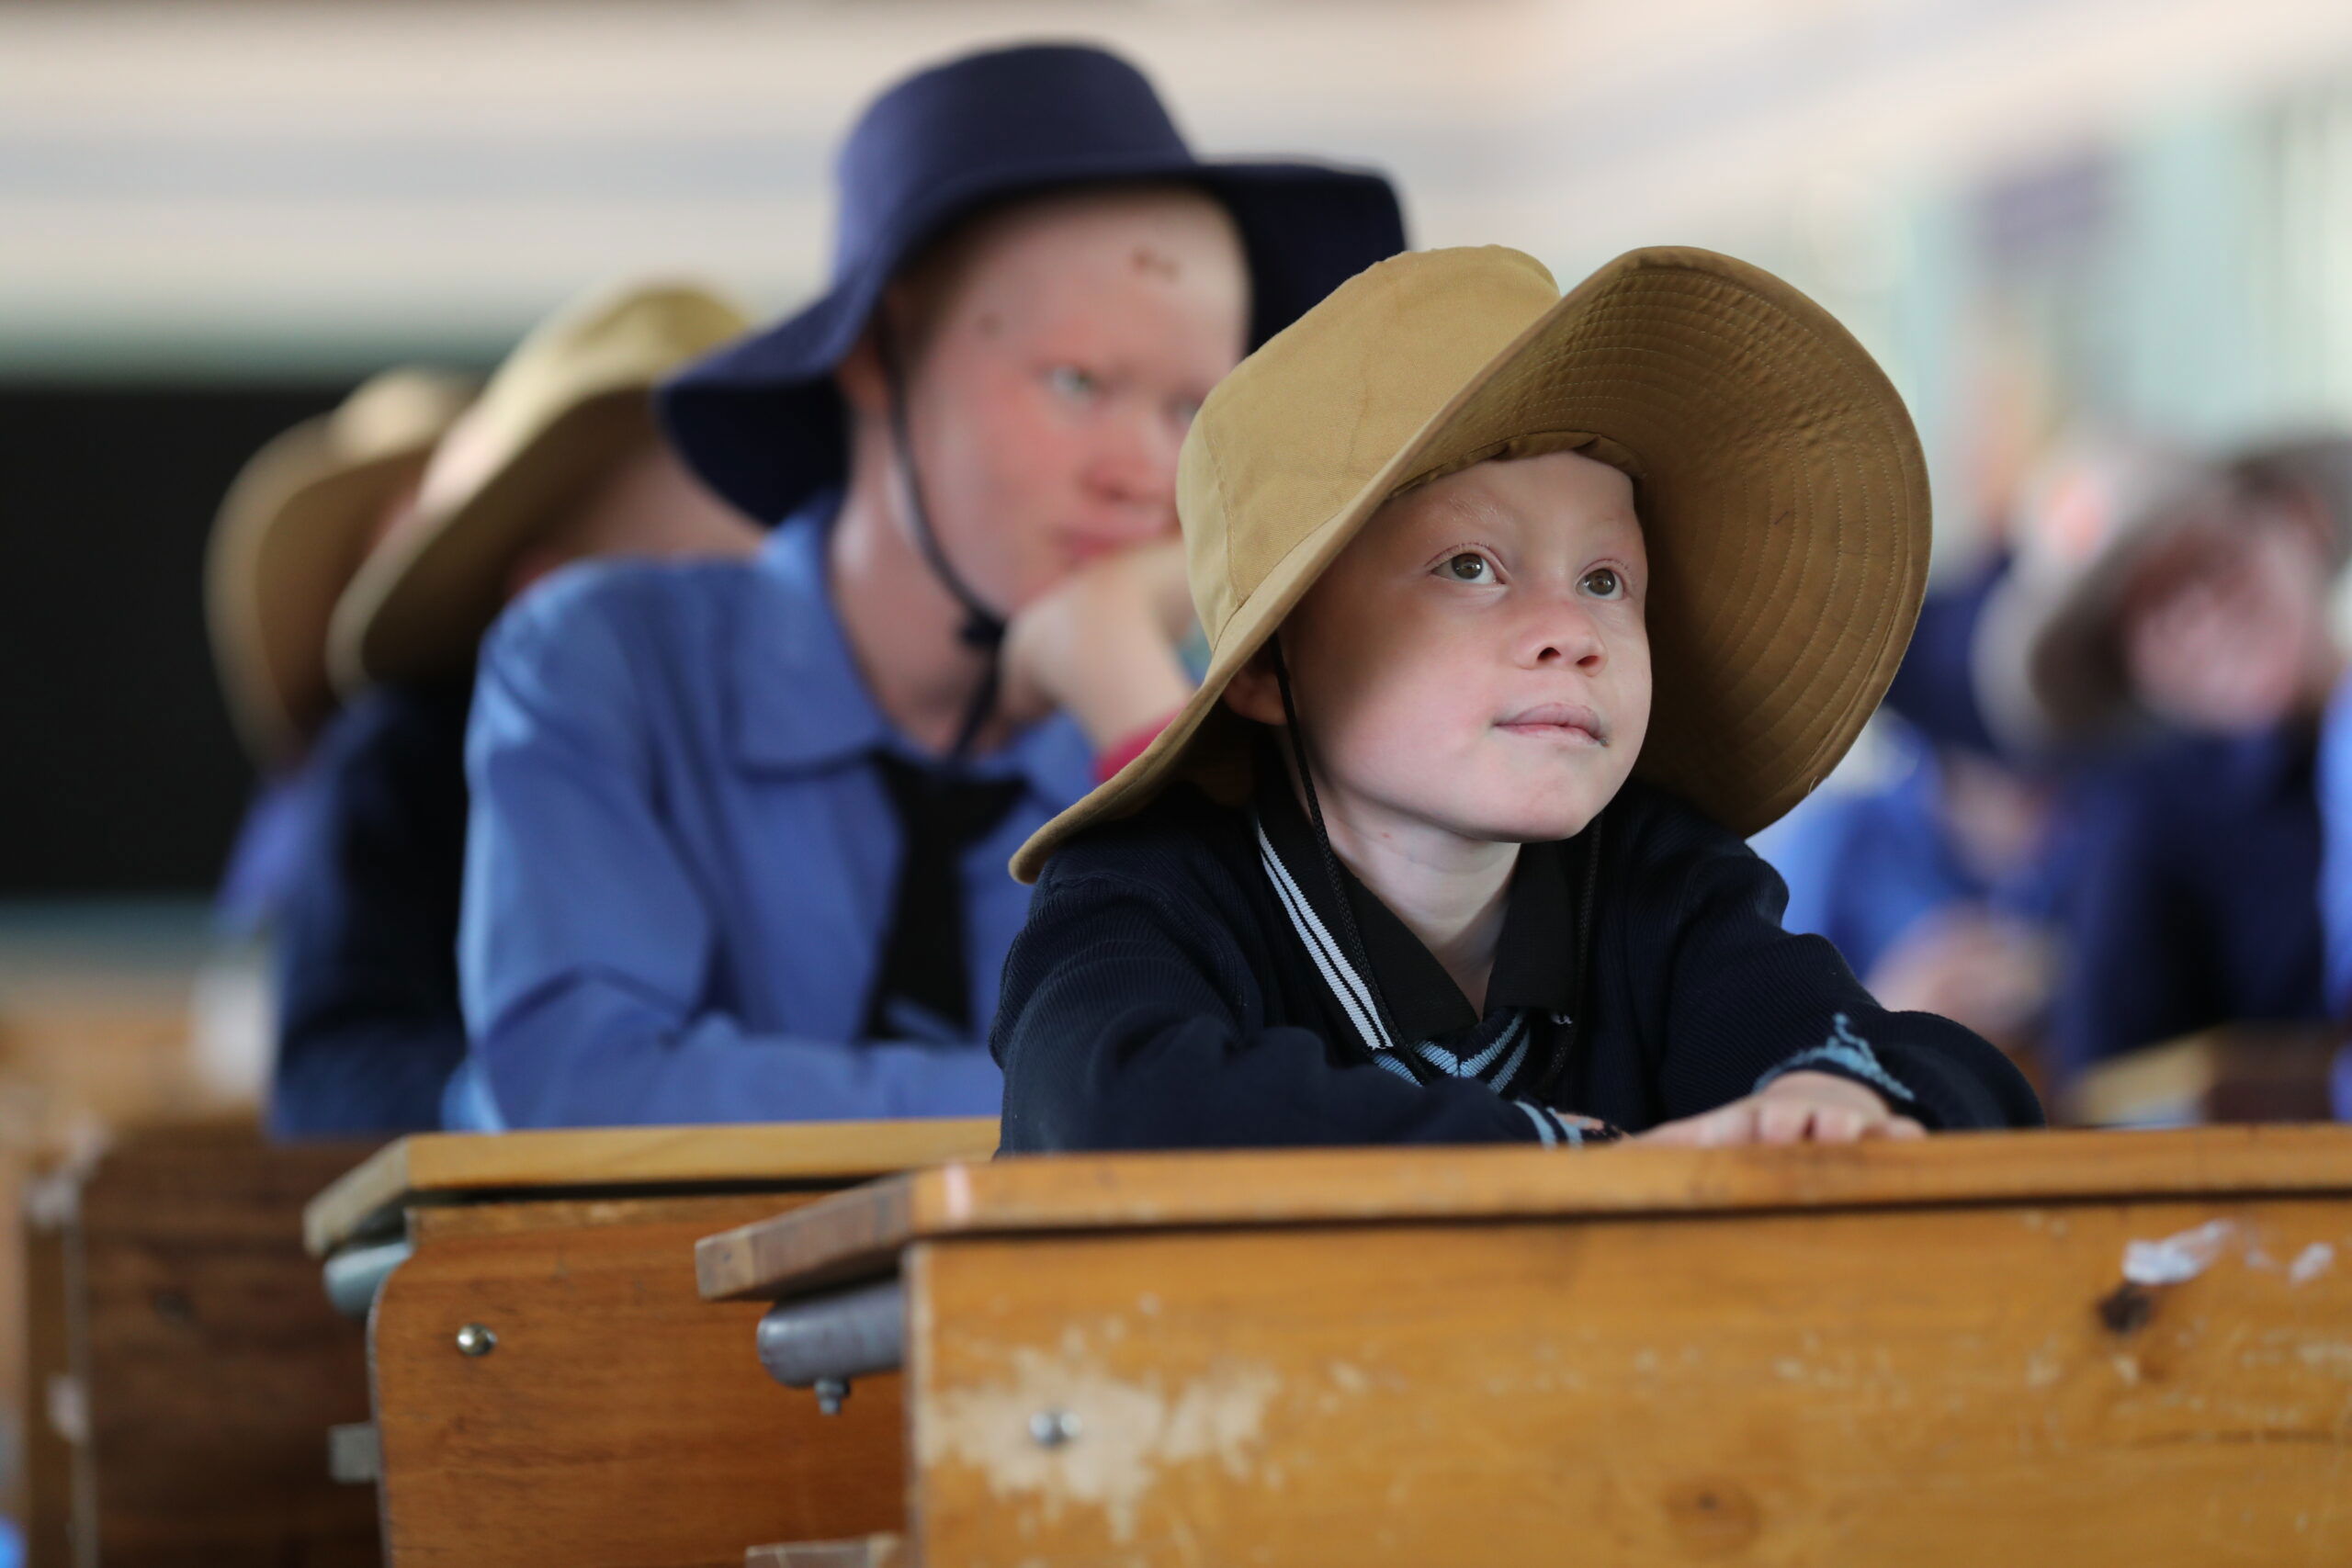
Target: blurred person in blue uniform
292 530
559 458
739 832
1934 860
2168 620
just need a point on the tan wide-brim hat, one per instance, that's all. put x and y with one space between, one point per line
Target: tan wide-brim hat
574 395
292 530
1782 496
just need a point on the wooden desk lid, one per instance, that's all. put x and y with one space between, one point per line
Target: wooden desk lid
858 1234
428 1166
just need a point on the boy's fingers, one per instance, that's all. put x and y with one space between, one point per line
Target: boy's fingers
1837 1124
1780 1120
1710 1129
1741 1121
1784 1121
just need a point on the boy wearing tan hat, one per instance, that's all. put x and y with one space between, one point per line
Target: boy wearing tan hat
1522 610
559 459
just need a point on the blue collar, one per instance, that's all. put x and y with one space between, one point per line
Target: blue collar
801 703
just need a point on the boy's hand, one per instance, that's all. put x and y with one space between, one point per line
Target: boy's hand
1818 1108
1101 646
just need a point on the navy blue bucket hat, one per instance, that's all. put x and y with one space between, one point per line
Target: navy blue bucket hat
761 420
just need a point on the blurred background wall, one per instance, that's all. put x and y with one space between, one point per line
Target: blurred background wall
215 214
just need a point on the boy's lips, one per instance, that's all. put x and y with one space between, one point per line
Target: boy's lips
1567 721
1081 545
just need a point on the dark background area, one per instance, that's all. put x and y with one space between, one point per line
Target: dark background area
118 772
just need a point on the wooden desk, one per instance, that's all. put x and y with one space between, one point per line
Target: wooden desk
183 1366
600 1420
1922 1353
2239 1072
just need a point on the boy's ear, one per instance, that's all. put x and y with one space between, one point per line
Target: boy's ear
1254 692
859 376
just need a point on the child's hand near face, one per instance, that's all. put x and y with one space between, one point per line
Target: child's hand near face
1103 645
1799 1108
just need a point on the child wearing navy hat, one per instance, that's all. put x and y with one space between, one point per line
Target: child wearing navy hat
738 831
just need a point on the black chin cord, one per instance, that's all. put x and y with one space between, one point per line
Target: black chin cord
1349 933
983 629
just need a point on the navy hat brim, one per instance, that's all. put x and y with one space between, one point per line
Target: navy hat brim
761 422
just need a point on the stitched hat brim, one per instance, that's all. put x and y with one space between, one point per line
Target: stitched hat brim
1784 505
417 609
761 420
283 552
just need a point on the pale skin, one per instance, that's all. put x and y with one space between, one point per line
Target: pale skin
1046 403
1477 669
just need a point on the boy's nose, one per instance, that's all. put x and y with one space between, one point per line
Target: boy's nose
1562 632
1134 469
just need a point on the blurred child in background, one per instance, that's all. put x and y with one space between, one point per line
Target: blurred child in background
558 460
2167 623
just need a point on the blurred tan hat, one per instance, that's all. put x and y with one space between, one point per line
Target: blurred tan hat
2045 661
572 396
1781 491
294 526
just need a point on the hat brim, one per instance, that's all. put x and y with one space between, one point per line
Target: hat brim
283 553
416 610
762 422
1784 505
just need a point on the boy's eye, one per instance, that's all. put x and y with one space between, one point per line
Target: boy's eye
1602 583
1070 382
1468 567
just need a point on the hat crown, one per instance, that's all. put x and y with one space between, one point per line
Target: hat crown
977 123
627 336
615 340
396 410
1291 438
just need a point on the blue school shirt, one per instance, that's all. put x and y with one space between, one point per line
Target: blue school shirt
2335 790
1864 865
680 858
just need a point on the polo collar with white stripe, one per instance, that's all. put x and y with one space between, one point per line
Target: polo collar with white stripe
1536 957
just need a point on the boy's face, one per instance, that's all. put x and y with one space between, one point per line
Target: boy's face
2225 629
1060 371
1475 661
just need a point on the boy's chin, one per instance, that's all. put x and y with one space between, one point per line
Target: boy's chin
1527 822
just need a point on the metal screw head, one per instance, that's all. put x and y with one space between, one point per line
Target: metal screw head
473 1339
1052 1429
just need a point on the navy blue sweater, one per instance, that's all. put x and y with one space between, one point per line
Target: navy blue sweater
369 1026
1160 996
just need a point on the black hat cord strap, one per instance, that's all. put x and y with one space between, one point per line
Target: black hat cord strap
983 629
1356 952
